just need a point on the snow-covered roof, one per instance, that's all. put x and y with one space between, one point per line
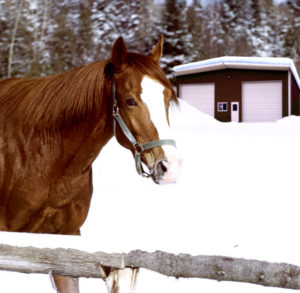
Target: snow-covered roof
260 63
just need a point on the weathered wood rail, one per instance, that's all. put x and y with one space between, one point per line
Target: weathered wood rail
76 263
66 262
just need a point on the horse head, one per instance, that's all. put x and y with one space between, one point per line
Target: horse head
142 96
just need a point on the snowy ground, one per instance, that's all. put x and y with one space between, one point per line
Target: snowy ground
237 196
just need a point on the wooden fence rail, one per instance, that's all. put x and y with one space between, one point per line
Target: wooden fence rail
76 263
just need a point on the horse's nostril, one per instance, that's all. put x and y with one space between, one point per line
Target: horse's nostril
163 166
159 171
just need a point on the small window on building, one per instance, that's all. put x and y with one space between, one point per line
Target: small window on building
222 107
234 107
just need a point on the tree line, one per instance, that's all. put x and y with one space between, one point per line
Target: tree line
42 37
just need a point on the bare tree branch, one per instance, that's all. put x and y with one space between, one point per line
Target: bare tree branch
13 37
75 263
44 24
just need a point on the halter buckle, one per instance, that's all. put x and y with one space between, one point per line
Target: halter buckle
115 110
138 147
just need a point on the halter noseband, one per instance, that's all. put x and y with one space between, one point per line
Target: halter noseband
137 146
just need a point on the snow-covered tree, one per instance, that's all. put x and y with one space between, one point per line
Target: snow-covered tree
270 30
177 40
85 46
195 16
228 14
237 28
292 36
133 20
39 19
23 39
62 40
55 36
260 28
213 32
6 24
144 39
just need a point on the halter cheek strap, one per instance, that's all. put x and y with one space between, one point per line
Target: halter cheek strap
137 146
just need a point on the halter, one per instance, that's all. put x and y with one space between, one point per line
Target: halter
137 146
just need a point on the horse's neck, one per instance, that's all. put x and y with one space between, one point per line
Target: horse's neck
82 144
66 140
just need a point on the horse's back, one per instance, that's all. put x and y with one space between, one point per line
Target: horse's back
11 90
9 85
9 82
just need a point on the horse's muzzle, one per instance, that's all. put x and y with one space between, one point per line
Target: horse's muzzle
167 170
159 170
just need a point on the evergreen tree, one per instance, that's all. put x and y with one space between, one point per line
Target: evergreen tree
243 37
56 36
62 40
259 27
228 13
274 33
195 21
22 44
39 65
104 25
143 38
136 24
6 24
213 31
84 34
177 39
130 19
292 37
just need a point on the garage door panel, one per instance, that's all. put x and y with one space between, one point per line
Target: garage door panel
262 101
201 96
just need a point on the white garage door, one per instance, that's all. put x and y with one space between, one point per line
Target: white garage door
262 101
201 96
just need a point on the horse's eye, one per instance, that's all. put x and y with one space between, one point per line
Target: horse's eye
131 102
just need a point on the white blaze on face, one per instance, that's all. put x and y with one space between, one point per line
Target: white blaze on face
153 96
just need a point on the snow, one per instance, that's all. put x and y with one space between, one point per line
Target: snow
237 59
237 196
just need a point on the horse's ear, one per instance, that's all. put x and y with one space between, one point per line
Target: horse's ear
157 51
119 53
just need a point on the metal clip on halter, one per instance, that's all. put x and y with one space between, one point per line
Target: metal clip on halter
137 146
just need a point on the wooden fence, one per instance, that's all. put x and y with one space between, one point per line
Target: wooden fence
76 263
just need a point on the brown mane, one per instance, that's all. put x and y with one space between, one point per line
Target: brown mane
68 98
53 101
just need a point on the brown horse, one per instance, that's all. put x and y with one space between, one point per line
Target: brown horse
52 129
